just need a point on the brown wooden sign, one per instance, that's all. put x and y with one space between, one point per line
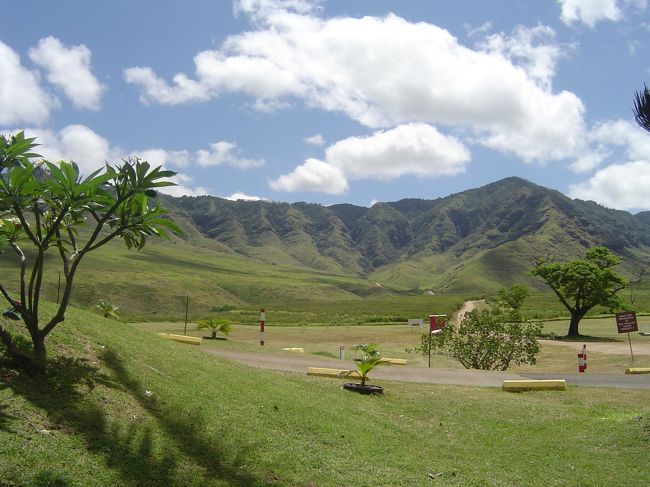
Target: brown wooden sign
626 322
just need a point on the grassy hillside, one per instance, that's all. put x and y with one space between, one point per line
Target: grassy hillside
155 282
122 407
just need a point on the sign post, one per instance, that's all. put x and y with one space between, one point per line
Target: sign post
436 323
625 323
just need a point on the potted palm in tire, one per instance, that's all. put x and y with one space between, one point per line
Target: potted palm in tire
370 359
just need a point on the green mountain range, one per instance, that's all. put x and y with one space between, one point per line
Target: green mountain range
476 240
403 258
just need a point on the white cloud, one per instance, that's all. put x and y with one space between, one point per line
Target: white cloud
22 99
410 149
223 152
183 187
68 68
77 143
623 186
316 140
605 137
533 49
260 10
245 197
416 149
388 71
90 151
590 12
373 202
312 176
625 134
157 157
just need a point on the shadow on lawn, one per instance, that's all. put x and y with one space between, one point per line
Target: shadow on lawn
127 448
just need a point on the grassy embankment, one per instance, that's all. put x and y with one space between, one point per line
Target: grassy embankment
206 421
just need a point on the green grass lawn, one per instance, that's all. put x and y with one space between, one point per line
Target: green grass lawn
120 406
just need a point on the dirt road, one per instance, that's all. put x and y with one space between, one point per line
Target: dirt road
467 307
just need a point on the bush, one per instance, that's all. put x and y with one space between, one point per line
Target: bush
487 340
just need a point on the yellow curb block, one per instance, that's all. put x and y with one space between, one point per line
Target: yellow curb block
294 349
337 373
638 370
393 361
181 338
534 385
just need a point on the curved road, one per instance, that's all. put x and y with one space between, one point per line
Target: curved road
299 364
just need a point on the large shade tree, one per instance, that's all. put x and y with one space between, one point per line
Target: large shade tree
583 284
50 208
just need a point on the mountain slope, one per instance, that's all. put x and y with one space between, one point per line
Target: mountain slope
484 237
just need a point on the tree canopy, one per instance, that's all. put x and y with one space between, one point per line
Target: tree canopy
584 283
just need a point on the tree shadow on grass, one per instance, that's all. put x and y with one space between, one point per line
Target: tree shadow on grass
126 448
588 339
188 433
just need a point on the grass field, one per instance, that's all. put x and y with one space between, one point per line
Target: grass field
120 406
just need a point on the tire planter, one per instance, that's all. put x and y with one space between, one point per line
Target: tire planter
367 389
215 338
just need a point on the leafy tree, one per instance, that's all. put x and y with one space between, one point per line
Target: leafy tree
108 309
43 206
513 297
215 325
488 340
642 108
370 359
584 283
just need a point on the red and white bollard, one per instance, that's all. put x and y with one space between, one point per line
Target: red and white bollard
262 318
582 359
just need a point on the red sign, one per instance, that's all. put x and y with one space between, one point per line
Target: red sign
626 322
436 322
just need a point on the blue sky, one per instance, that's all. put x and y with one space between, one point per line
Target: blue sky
341 100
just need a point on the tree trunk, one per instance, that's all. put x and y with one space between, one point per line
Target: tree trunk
214 334
573 325
39 350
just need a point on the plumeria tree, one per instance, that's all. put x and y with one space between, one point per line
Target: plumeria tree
51 208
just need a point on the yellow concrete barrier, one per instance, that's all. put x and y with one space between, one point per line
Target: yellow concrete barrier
534 385
294 349
338 373
393 361
181 338
638 370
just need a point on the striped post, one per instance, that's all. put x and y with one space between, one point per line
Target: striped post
262 318
582 359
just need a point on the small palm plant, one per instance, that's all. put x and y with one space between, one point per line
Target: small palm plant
370 359
108 309
215 325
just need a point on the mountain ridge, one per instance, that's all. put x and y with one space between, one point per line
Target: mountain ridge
444 235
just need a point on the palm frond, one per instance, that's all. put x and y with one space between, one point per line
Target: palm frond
642 108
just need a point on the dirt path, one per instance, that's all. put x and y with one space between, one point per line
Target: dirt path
467 307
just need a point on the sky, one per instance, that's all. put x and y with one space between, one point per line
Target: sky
337 101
